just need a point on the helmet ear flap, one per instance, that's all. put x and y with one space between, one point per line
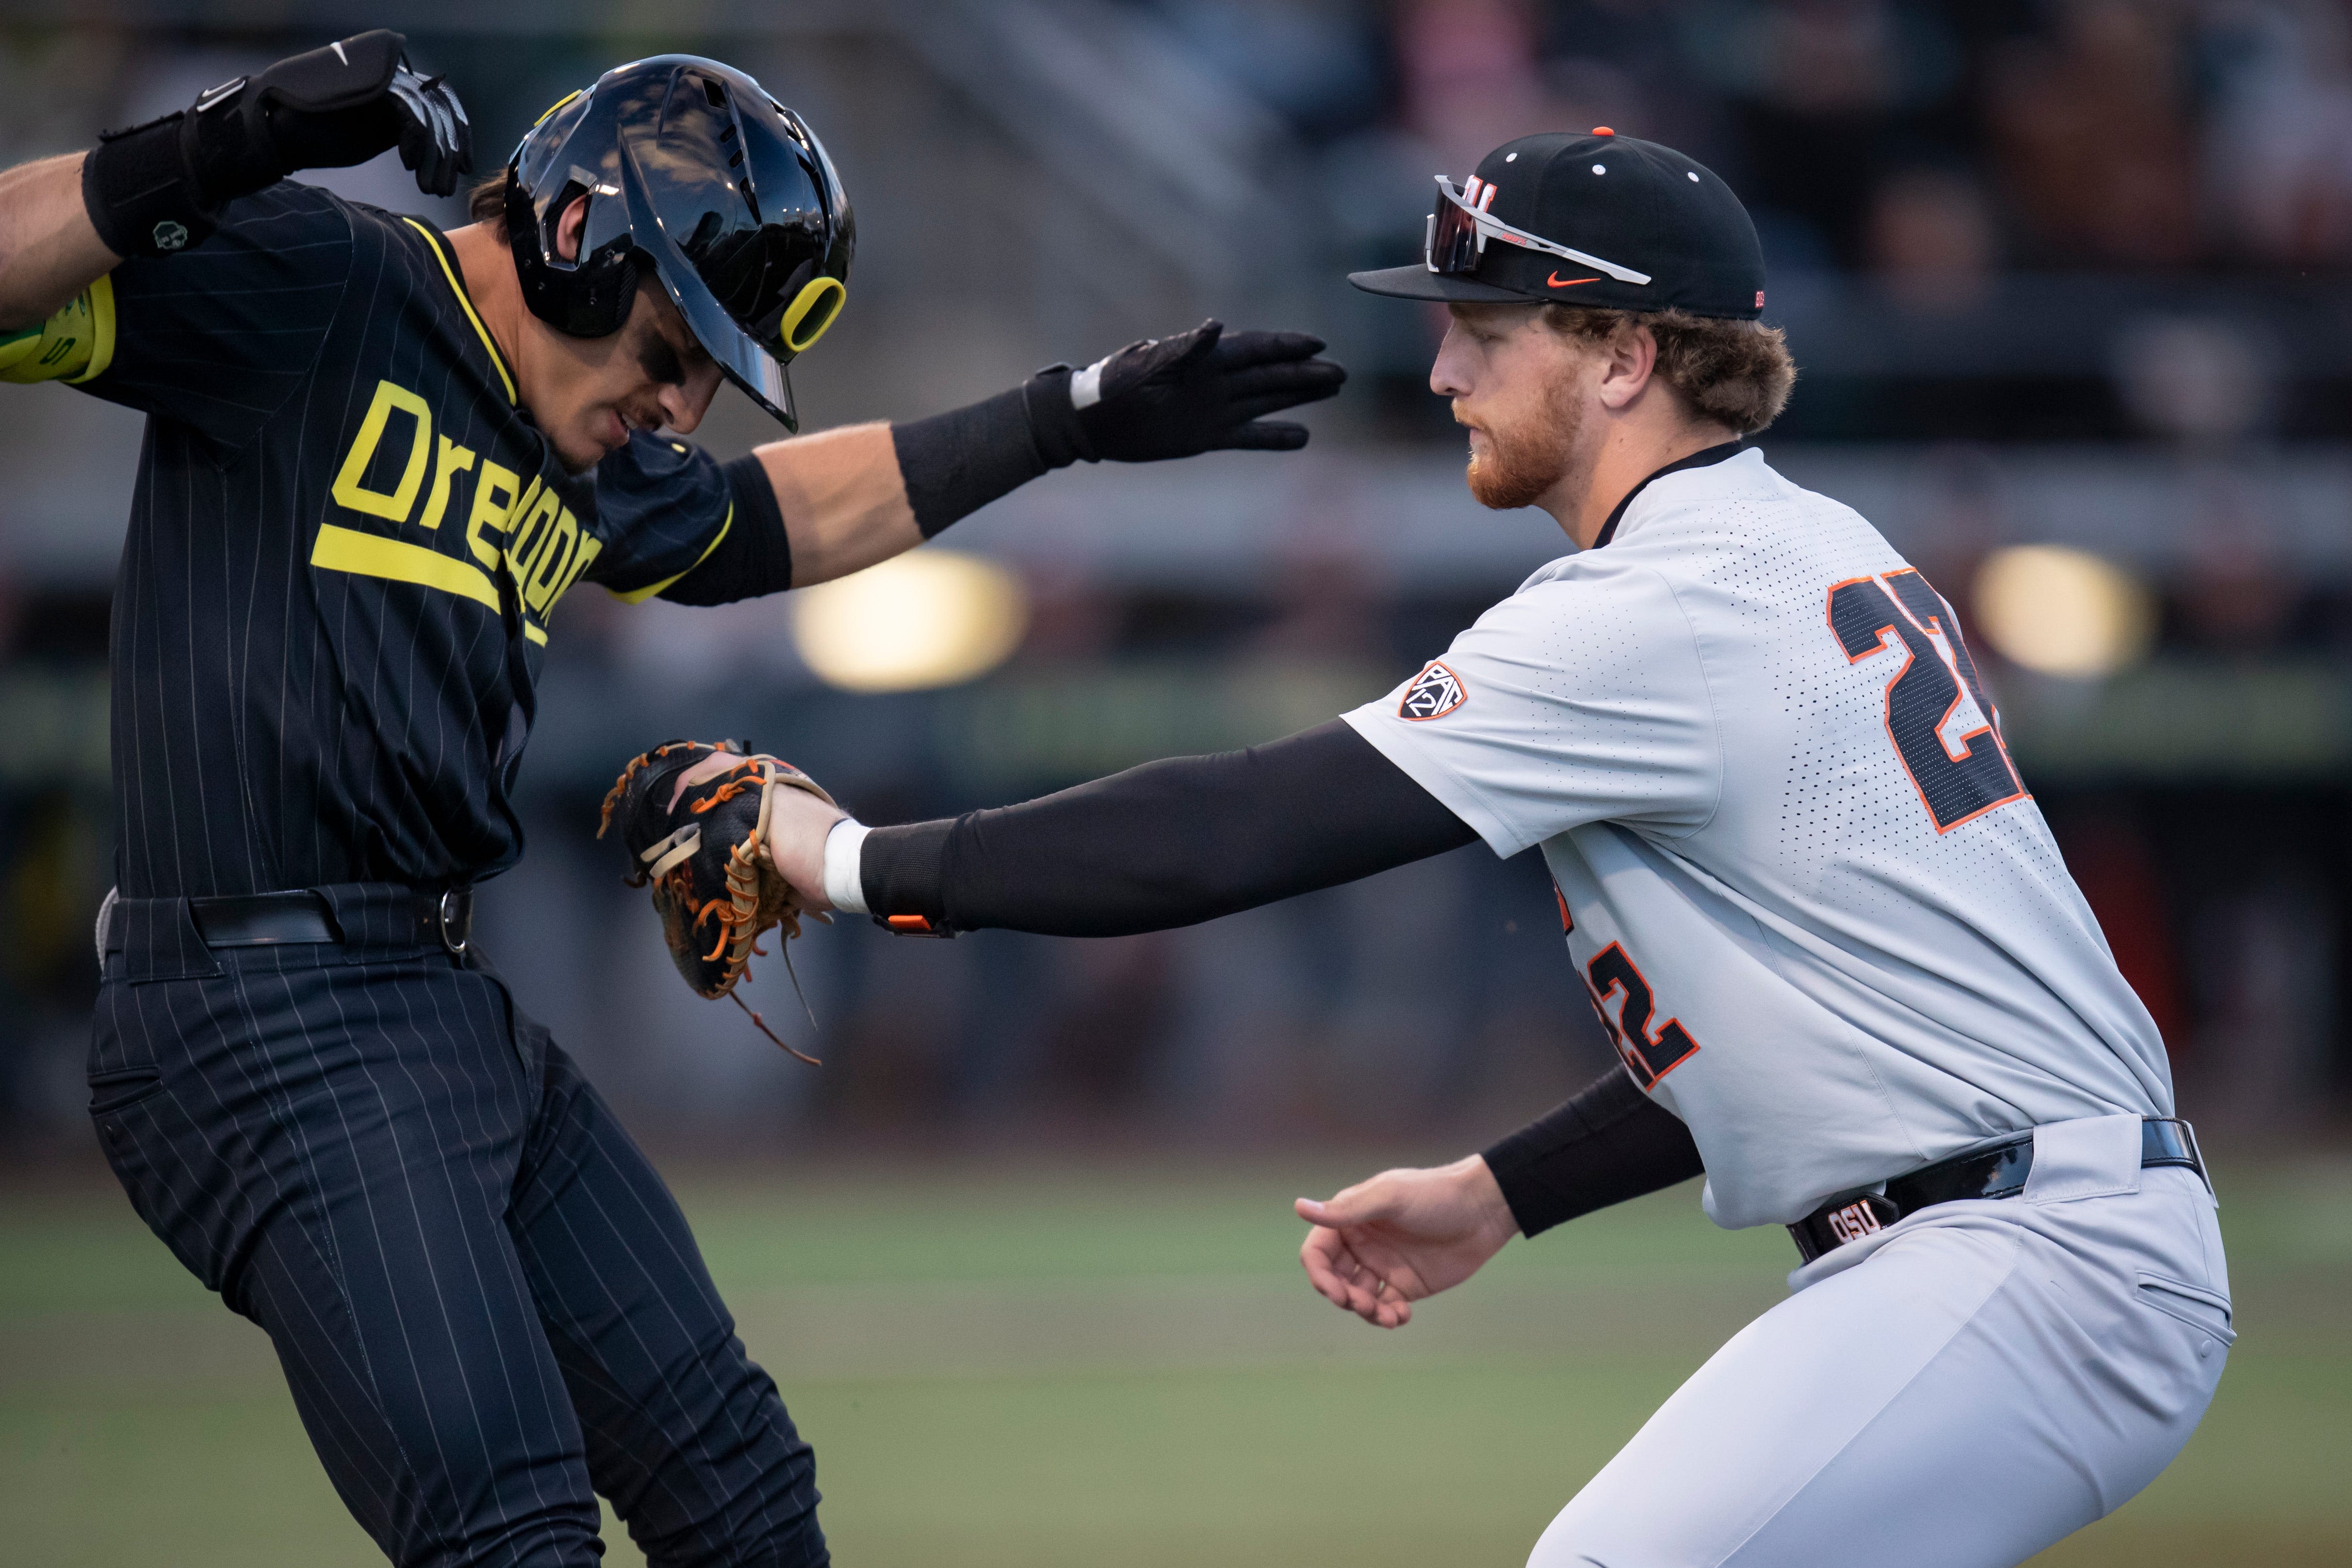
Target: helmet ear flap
588 298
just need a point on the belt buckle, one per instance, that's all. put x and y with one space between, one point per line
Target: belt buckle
454 915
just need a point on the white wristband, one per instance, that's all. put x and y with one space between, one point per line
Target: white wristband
1086 387
844 888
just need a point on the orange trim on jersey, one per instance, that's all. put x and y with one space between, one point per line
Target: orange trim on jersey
466 300
1886 702
1650 1038
1934 627
1461 694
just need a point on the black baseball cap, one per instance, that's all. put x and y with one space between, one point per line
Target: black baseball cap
1590 218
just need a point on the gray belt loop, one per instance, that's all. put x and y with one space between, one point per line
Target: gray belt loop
105 911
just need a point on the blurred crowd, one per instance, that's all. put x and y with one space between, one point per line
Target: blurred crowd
1931 143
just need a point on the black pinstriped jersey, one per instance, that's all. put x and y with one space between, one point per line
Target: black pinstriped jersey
347 549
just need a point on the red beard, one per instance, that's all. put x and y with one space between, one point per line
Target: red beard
1524 460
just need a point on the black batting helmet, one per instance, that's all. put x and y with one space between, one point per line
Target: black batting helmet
693 172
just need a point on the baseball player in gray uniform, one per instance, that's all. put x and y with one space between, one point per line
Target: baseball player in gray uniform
1823 922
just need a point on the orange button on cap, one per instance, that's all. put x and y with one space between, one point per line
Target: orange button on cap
1602 130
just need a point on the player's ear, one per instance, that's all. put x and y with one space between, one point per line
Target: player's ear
1630 355
568 228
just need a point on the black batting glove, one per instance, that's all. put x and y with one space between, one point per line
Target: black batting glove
1203 390
158 188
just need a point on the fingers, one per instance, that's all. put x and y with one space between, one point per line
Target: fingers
1281 375
1240 411
711 766
1287 383
1330 1267
436 142
1323 1255
1342 1279
1199 343
1266 435
1239 350
1350 1206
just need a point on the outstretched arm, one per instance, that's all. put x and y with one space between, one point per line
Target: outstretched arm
50 250
1169 843
847 498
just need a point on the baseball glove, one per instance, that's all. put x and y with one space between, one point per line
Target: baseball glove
706 858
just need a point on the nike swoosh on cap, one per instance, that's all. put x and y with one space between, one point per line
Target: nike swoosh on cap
1556 281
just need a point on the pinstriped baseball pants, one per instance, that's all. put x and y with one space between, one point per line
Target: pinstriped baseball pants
486 1304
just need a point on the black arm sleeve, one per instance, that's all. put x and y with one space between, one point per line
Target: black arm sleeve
958 462
754 557
952 464
1608 1143
1168 843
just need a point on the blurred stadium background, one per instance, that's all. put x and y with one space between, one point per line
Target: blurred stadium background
2067 283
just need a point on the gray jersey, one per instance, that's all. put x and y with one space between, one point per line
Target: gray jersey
1819 915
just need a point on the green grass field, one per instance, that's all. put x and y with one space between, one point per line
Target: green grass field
1071 1366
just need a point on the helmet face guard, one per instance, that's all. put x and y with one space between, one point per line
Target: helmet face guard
692 173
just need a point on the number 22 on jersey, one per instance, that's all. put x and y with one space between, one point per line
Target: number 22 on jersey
1961 776
1649 1054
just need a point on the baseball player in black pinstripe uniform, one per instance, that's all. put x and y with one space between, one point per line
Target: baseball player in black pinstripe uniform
377 458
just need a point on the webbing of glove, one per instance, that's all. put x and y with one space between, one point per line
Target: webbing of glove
713 882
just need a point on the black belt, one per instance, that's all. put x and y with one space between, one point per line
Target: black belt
1997 1172
267 919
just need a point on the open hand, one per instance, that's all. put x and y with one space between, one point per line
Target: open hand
1381 1245
1207 390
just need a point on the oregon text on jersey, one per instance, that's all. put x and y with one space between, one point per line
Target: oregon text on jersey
348 704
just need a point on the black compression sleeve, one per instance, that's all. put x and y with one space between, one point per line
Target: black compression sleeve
1608 1143
1168 843
755 557
958 462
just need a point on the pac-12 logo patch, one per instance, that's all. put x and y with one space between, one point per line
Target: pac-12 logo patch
1435 693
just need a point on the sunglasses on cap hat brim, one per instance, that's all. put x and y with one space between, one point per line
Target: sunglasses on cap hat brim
1460 227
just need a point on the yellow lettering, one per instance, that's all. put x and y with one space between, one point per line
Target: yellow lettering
527 537
591 546
494 499
564 538
373 555
454 459
349 492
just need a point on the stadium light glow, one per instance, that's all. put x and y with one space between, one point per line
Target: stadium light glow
928 618
2060 612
